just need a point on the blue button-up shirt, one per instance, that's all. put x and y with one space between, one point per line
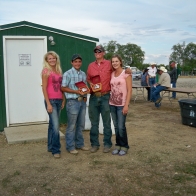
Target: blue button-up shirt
70 77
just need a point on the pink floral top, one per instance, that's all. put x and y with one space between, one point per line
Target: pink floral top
118 92
54 84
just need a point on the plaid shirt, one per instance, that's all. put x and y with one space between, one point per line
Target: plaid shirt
70 77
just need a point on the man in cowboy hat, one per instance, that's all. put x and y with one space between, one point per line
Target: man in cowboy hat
152 77
163 83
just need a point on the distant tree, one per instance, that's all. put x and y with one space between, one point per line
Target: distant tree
110 48
144 66
131 54
185 56
186 68
161 65
190 56
178 54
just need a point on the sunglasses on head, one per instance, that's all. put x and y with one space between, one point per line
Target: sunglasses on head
97 51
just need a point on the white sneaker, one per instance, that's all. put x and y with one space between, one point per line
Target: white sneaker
73 151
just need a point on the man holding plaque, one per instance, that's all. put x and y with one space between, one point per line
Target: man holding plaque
75 88
98 76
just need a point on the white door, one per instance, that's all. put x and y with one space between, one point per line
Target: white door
23 57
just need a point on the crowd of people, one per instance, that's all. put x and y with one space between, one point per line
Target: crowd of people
156 79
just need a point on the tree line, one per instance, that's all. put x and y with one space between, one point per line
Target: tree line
132 55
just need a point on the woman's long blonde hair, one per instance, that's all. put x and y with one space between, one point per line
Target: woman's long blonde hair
58 64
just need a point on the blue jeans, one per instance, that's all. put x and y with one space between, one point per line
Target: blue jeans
156 92
148 92
119 125
54 144
97 106
76 111
152 81
173 86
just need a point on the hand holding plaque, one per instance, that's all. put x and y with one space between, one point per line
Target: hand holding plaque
82 87
96 83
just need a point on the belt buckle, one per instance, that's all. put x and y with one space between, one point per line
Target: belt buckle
98 94
80 98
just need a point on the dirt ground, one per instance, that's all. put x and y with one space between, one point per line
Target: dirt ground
161 160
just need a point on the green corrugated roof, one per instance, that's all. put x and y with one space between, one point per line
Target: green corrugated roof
33 25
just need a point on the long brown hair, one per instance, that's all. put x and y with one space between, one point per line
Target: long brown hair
119 58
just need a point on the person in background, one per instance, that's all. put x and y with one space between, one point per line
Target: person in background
99 101
163 83
75 106
145 82
54 99
121 90
152 77
173 76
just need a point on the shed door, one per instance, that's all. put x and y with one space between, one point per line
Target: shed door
23 64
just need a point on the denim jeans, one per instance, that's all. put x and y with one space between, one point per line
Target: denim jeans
97 106
54 144
76 111
173 86
119 125
152 81
156 92
148 93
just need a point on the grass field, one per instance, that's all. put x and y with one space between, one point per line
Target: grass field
161 160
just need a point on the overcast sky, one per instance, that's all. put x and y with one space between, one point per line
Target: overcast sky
154 25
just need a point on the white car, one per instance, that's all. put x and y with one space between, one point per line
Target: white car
136 75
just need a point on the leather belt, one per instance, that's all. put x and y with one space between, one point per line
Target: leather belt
99 94
78 98
151 76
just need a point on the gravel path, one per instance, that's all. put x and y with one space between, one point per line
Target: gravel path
186 82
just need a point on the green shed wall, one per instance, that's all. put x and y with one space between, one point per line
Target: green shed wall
2 91
65 47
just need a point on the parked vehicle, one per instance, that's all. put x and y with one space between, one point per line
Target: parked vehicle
137 75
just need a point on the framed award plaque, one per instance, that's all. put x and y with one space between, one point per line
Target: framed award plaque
82 87
96 83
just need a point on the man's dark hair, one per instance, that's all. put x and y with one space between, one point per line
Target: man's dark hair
172 62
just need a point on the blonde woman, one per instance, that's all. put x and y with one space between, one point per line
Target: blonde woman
54 99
